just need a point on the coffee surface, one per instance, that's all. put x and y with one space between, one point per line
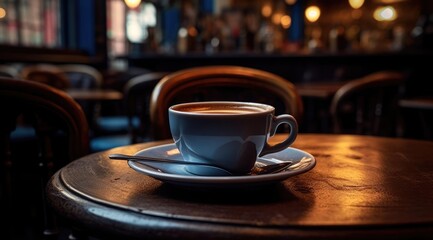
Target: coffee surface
222 109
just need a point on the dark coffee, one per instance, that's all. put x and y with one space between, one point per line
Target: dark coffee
221 109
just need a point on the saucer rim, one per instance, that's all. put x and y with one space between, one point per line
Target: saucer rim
219 180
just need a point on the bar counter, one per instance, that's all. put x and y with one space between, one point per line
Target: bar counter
296 67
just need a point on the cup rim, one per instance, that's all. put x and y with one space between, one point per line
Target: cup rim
266 107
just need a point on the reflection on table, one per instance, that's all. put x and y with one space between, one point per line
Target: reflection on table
363 187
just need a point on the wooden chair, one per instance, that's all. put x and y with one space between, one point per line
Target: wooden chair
60 135
416 117
137 94
136 120
221 83
368 105
47 74
82 76
8 71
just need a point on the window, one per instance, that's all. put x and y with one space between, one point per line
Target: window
128 28
30 23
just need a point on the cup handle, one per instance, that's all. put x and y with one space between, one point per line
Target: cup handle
280 119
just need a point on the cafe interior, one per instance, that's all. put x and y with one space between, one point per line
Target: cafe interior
83 77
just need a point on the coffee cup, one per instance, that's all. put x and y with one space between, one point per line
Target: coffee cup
228 134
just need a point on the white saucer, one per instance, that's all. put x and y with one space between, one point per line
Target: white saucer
177 173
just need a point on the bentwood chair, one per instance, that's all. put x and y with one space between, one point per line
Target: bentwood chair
69 77
216 83
85 77
368 105
47 74
82 76
60 135
136 120
137 94
416 117
8 71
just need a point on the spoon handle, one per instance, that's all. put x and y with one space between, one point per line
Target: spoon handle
118 156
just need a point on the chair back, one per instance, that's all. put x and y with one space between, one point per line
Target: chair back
82 76
368 105
59 135
8 71
46 74
137 93
219 83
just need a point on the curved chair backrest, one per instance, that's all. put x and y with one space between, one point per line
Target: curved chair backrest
8 71
49 106
212 83
46 74
137 93
368 105
59 135
82 76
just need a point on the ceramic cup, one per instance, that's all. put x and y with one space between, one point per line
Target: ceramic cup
231 135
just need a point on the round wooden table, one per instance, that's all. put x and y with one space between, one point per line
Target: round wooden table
362 187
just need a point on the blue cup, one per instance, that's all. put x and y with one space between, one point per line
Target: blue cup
230 135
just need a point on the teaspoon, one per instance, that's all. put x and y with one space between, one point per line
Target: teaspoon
257 170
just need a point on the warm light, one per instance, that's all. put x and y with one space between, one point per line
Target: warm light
355 4
386 13
192 31
389 1
312 13
132 3
2 12
266 10
286 21
290 2
172 152
276 18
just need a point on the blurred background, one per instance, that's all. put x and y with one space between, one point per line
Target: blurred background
304 41
105 32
